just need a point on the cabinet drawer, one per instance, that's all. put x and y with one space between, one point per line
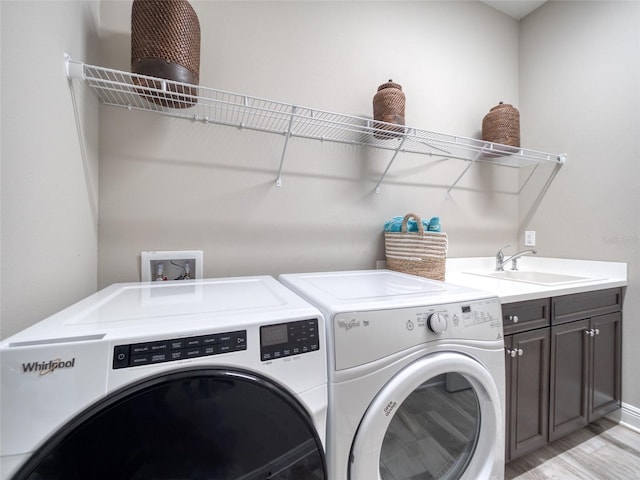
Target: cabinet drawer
522 316
584 305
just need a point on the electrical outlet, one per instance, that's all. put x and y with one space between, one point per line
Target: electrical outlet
171 265
530 238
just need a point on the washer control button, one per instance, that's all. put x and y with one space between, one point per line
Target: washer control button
121 356
161 351
437 322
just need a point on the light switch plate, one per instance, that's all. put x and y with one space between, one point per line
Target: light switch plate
530 238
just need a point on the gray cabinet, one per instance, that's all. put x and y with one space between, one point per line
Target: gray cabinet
586 340
563 365
526 326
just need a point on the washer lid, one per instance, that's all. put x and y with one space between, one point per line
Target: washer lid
364 289
372 284
164 308
165 299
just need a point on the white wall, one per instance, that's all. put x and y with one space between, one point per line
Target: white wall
580 91
49 188
172 184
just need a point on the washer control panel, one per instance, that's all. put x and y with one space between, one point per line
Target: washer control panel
287 339
174 349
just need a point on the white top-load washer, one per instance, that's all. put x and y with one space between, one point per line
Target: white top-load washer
416 376
203 379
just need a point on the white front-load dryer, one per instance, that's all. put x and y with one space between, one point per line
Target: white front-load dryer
416 376
205 379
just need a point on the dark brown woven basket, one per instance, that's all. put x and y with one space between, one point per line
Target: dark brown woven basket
502 125
165 43
388 107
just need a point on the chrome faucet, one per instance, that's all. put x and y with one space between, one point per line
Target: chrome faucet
501 261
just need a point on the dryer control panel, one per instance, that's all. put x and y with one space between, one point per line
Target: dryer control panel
174 349
361 337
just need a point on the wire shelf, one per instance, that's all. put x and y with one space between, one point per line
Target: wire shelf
207 105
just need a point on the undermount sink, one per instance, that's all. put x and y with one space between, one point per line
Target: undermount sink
540 278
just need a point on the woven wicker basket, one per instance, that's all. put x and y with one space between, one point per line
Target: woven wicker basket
165 43
388 107
502 125
418 253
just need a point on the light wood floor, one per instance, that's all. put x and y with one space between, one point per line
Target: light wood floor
601 451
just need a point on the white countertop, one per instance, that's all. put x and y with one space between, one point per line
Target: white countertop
602 275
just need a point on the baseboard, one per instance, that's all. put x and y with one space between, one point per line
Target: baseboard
628 416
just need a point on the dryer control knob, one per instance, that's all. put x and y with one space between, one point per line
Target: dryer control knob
437 322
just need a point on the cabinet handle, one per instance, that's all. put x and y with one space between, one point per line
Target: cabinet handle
513 318
592 332
514 352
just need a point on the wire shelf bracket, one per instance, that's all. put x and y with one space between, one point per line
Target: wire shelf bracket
395 154
469 165
284 149
210 106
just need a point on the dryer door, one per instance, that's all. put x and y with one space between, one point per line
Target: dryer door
190 424
418 427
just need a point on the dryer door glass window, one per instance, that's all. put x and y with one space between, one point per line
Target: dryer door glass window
193 424
433 433
439 417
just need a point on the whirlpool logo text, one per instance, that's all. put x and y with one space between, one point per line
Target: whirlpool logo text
44 368
348 324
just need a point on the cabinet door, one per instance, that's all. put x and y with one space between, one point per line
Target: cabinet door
604 391
528 395
508 345
569 377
